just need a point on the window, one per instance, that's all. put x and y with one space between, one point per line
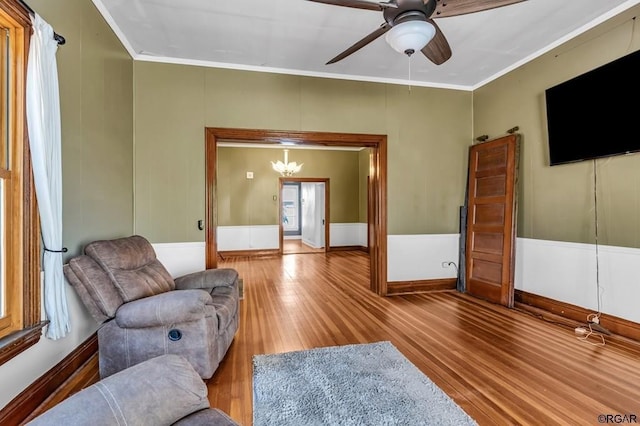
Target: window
20 325
5 173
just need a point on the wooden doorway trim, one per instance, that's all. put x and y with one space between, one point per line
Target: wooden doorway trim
327 209
378 182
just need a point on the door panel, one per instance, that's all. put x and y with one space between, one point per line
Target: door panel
488 242
491 227
489 214
313 214
308 214
320 191
487 186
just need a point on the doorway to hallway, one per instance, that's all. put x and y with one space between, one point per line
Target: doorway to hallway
304 215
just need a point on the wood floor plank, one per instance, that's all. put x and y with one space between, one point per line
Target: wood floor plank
502 366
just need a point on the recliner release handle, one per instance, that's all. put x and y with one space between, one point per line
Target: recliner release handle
175 334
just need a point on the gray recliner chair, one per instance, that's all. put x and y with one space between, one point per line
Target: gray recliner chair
146 313
165 390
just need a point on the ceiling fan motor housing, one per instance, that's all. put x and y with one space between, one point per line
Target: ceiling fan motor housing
409 10
413 23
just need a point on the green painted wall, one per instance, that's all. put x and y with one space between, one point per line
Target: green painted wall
96 102
243 201
429 131
557 203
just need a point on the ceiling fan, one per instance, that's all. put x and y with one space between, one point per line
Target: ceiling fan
410 26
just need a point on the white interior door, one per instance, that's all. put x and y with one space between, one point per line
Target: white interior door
313 214
319 213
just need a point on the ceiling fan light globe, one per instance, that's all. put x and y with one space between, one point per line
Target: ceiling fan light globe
410 36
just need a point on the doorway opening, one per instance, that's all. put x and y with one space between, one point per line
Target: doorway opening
304 215
377 203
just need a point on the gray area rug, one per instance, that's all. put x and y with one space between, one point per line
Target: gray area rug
363 384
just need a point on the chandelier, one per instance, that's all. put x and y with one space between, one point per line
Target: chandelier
286 168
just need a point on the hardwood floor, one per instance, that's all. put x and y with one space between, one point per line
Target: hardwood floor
297 246
502 366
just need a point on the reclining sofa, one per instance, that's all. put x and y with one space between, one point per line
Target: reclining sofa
161 391
145 313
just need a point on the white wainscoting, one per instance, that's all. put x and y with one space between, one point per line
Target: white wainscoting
420 257
554 269
259 237
265 237
348 234
567 272
181 258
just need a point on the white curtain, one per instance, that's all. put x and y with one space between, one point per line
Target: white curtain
43 121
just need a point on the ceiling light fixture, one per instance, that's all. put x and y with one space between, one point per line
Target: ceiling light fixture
410 36
286 168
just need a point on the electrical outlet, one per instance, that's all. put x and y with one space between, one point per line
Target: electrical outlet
448 263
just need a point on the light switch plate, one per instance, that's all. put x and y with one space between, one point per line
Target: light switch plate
249 175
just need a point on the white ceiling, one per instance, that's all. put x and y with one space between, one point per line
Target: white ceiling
299 37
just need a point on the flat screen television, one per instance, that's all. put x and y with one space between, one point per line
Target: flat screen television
596 114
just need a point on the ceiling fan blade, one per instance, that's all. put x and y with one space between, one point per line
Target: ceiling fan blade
360 4
462 7
362 43
437 50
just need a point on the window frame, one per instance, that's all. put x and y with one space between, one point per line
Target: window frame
23 230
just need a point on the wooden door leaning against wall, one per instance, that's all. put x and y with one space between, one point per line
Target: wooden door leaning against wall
491 219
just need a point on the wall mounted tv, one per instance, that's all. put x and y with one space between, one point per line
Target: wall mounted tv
595 114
